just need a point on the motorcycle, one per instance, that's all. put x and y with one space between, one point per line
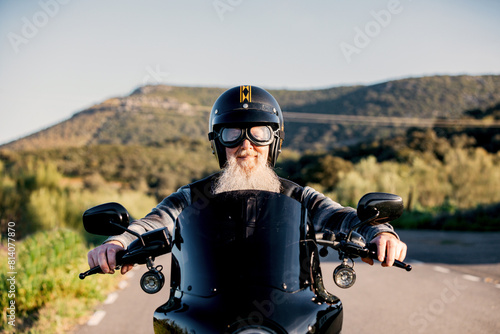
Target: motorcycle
246 262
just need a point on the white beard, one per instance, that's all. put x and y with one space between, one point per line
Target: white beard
239 176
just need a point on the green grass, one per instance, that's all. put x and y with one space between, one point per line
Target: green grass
50 298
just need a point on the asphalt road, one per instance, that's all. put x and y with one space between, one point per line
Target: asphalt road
454 287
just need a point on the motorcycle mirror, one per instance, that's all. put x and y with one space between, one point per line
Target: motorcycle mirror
388 206
106 219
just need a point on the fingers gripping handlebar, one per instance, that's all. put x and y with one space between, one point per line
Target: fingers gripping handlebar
97 269
353 250
140 251
371 252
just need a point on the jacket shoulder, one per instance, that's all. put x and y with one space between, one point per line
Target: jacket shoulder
202 189
291 189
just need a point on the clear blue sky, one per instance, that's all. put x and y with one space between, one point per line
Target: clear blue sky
58 57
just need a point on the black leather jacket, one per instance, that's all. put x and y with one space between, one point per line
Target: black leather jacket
323 213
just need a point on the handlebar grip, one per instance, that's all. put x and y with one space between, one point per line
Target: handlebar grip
372 253
89 272
402 265
97 269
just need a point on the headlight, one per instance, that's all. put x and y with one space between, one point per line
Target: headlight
344 276
152 281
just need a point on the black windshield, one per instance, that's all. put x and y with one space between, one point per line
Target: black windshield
238 239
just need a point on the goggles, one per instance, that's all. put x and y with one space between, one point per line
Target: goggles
259 135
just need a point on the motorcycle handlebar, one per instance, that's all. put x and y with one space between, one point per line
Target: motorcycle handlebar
97 269
372 253
369 250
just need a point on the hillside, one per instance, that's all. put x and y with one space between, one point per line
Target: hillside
153 115
142 147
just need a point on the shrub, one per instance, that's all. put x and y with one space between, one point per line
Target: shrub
47 266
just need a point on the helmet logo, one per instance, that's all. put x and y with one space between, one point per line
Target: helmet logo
245 94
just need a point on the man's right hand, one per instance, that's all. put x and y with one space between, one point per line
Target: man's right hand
104 256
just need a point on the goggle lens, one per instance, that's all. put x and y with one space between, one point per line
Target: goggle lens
259 135
230 135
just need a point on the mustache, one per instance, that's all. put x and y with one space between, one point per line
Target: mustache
242 153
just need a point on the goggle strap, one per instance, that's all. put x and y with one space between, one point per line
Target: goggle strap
281 134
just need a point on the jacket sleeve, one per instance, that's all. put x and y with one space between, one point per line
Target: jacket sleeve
163 215
327 215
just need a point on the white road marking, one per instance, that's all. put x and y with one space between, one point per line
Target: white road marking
96 318
111 298
441 269
471 278
123 284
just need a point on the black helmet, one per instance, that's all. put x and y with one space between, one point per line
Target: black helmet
246 106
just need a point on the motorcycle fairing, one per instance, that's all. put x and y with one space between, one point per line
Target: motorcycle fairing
239 239
242 260
274 310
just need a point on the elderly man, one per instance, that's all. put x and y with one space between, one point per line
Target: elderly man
246 133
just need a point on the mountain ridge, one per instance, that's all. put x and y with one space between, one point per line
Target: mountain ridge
160 113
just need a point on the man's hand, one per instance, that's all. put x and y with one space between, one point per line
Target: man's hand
104 256
389 248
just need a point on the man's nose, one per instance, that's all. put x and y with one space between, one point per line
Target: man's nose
246 144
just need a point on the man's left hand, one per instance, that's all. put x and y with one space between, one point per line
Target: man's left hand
389 248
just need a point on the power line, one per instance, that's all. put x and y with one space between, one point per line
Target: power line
389 121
